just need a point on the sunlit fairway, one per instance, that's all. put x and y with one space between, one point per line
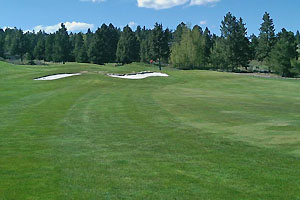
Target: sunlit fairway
192 135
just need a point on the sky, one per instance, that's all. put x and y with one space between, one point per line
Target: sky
79 15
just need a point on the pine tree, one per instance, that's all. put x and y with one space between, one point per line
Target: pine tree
80 52
158 44
2 43
219 58
198 59
179 31
243 52
198 29
144 37
128 47
166 45
234 33
49 47
78 45
253 46
62 45
208 44
266 39
103 45
8 42
95 49
182 51
72 41
39 50
31 42
189 53
297 36
144 51
19 44
284 51
112 39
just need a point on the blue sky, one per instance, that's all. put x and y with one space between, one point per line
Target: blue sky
81 14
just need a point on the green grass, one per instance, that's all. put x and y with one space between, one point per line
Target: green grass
193 135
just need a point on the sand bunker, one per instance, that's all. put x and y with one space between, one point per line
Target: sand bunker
55 77
140 75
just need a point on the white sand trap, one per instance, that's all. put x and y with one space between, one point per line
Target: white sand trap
140 75
55 77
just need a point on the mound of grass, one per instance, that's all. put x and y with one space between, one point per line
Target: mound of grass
193 135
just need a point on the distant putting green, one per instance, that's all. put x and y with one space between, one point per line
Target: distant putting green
192 135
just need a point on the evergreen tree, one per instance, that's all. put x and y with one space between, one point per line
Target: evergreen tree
138 33
284 51
88 38
80 49
180 51
39 50
78 45
144 37
103 45
234 33
179 31
144 50
112 39
31 39
158 44
128 47
166 45
266 39
62 45
72 41
219 58
49 47
208 44
243 51
198 59
94 51
297 36
9 35
189 53
2 43
253 46
198 29
19 44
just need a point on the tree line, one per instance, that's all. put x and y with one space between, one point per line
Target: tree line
184 48
108 44
233 50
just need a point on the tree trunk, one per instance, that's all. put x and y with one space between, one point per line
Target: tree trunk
159 64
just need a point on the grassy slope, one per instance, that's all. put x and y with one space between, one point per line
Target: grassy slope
193 135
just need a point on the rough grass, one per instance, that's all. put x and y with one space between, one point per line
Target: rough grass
193 135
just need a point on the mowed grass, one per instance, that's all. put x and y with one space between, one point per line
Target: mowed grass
193 135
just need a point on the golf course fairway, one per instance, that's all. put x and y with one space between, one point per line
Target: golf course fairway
191 135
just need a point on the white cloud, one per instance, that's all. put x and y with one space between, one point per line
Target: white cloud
132 24
7 27
164 4
160 4
203 2
71 26
93 1
203 22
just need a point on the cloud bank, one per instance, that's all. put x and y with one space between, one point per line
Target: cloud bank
164 4
71 26
203 2
132 24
